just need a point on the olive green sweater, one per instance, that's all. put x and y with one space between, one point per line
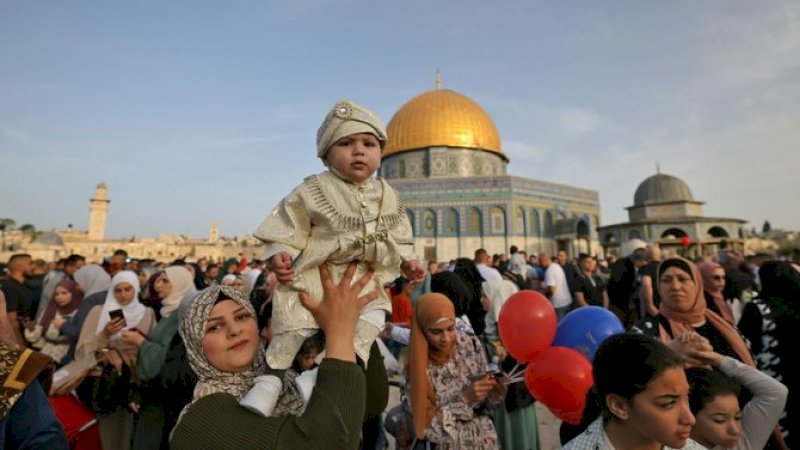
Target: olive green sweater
332 419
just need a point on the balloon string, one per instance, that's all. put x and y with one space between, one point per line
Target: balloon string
515 372
513 380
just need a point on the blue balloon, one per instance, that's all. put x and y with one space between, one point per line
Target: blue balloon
585 328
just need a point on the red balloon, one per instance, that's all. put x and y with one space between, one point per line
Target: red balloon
527 324
560 377
685 241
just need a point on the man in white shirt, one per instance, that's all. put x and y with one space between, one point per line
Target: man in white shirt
516 263
482 261
555 286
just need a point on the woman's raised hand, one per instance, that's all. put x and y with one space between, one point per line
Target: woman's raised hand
339 309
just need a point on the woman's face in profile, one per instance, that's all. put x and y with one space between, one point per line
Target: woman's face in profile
163 286
231 337
661 412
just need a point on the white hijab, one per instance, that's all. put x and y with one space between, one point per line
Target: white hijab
133 311
92 279
250 279
498 292
182 283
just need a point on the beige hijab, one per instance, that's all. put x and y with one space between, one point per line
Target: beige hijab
680 321
182 284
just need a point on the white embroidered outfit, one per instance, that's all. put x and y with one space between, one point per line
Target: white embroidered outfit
328 219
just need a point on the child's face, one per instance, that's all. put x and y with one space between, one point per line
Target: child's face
719 423
661 412
356 157
306 360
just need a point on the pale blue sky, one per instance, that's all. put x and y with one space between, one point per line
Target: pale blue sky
194 112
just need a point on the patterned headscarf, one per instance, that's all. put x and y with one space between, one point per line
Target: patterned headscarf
680 321
347 118
430 310
211 380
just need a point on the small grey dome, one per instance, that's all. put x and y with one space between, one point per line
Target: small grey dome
48 238
661 188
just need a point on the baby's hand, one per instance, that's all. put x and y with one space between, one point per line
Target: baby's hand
282 266
413 271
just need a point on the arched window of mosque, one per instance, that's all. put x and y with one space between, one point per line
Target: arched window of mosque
717 232
674 233
634 234
519 221
451 222
582 229
475 222
498 218
410 215
401 168
535 229
548 224
429 223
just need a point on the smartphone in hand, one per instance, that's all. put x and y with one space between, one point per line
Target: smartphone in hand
478 376
117 314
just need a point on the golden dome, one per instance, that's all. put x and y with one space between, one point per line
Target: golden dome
441 118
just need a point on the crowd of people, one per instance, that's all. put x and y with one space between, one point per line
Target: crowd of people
455 397
291 352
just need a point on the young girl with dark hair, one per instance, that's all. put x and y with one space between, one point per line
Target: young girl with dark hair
714 400
644 394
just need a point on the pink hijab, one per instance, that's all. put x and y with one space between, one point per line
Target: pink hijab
707 271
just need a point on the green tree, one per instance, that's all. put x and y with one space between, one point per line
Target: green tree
27 228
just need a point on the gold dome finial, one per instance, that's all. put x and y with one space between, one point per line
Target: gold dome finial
438 79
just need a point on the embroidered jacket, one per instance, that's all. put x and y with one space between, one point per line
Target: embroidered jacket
327 219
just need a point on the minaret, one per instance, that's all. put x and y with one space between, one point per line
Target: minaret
213 233
98 212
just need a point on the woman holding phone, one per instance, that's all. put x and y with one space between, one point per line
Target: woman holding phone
111 326
452 395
